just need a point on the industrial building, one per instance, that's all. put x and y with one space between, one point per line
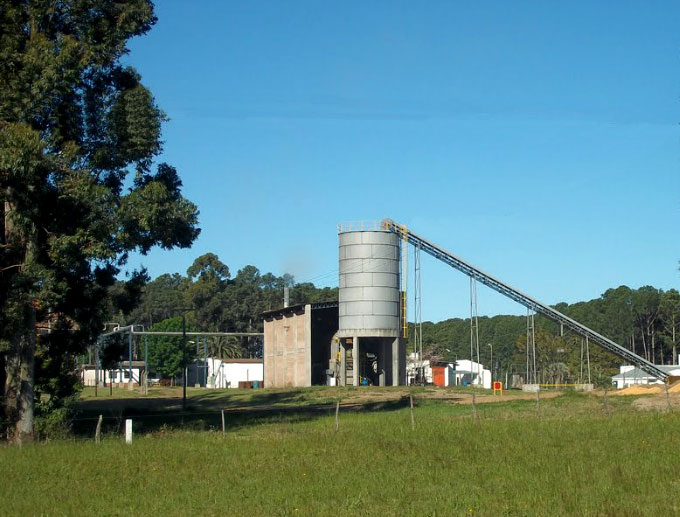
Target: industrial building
629 375
360 339
297 344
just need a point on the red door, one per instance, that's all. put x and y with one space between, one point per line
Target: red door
438 375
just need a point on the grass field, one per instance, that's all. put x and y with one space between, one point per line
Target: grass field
502 458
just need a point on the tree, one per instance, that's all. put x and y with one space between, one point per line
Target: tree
670 313
75 123
645 302
161 299
166 356
112 352
208 278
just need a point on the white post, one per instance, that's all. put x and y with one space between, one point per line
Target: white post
128 430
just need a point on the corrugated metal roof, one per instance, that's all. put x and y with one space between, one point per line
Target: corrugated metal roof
298 309
640 374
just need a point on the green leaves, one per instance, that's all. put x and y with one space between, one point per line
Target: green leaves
166 353
154 213
135 127
74 124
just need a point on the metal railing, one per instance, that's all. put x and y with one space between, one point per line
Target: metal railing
361 226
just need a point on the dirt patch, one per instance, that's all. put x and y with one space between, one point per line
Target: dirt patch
510 396
658 402
360 397
457 397
640 390
674 388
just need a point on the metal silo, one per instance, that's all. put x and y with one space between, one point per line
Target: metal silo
370 322
369 284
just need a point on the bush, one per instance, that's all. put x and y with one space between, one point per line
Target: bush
54 422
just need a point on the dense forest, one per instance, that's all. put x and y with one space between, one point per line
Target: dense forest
645 320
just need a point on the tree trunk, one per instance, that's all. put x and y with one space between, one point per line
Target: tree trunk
632 342
644 343
20 358
19 381
675 352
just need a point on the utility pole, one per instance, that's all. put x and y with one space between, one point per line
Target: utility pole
197 381
96 367
205 360
491 361
146 365
184 361
130 381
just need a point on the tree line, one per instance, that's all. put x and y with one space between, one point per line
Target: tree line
644 320
211 300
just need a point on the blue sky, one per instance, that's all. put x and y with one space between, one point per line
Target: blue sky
538 140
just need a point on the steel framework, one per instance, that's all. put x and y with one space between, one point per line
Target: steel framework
523 299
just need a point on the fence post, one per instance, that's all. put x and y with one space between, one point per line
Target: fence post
606 403
128 430
337 411
668 398
98 431
413 420
538 401
475 417
223 427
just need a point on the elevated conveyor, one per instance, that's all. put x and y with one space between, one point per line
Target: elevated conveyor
526 300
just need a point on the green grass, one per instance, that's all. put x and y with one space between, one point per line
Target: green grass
572 460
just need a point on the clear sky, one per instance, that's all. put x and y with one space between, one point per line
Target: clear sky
538 140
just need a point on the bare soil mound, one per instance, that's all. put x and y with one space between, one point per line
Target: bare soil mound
674 388
640 390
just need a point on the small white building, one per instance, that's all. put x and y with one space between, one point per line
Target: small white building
630 375
413 367
469 373
120 375
461 373
227 373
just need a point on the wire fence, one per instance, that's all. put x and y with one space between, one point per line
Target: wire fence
470 405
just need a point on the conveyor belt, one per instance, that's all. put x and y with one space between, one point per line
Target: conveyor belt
529 302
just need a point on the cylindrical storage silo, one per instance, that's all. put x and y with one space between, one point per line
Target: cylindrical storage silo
369 284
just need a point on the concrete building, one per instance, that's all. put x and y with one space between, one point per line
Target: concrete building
630 375
297 344
357 341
